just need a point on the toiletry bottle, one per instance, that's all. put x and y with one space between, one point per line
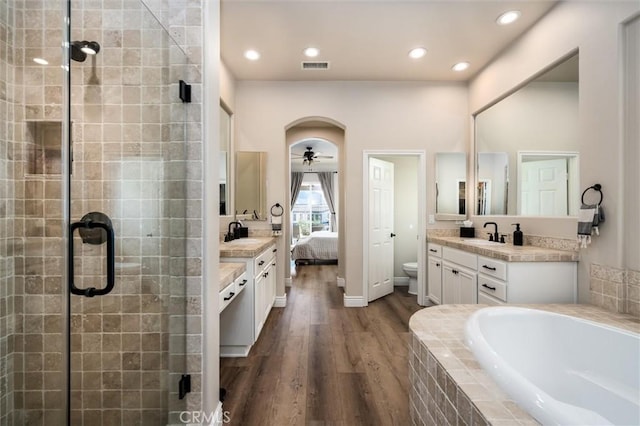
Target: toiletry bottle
517 235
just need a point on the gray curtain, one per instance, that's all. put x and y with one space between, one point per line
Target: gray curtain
296 183
328 189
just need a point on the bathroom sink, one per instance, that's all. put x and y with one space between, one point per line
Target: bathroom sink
243 241
479 242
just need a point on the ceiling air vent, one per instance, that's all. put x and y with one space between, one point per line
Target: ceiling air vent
315 65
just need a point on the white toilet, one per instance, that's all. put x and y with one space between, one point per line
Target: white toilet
411 269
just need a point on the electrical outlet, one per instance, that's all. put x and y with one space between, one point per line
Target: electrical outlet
432 219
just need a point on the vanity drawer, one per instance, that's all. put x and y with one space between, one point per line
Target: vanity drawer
492 267
460 257
227 295
434 250
495 288
485 299
241 282
263 260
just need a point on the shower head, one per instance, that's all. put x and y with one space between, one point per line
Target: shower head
90 47
80 49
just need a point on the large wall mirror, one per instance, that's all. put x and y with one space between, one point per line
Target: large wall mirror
451 185
527 148
251 184
225 153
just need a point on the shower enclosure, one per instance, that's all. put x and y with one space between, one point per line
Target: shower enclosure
93 214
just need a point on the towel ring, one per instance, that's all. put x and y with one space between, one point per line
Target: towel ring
597 187
277 206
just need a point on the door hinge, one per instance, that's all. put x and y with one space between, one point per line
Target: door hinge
184 385
185 92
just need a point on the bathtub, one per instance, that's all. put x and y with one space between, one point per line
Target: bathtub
562 370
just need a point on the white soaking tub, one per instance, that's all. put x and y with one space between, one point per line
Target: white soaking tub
562 370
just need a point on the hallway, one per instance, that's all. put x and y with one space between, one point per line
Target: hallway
318 363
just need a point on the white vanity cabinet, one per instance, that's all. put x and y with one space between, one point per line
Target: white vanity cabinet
434 273
526 282
265 286
458 277
469 277
242 320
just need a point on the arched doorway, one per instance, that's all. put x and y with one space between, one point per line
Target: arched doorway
325 137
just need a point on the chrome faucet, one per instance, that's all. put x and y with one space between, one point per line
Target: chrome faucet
496 236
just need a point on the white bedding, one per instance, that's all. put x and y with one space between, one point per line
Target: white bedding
321 245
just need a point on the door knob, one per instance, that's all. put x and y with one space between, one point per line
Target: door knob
393 235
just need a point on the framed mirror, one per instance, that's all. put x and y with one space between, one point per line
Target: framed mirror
527 147
451 185
225 150
251 184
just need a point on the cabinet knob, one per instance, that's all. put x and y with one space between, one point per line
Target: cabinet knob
242 283
230 296
261 263
265 274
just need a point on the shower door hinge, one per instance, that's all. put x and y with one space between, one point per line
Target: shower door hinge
184 385
185 92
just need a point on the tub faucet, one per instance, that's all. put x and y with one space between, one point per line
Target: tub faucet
496 236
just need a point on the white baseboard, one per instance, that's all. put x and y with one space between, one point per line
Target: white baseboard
280 302
234 351
341 282
354 301
400 281
288 282
218 418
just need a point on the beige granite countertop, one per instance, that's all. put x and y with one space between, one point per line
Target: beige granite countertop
507 252
437 334
245 247
229 271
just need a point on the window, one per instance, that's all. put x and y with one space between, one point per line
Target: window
310 212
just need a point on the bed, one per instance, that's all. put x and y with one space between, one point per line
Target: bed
319 246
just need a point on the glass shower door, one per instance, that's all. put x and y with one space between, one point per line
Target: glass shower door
126 217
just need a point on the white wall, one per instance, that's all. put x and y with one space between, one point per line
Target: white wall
593 28
376 115
227 87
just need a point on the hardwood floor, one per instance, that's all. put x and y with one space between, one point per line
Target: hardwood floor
318 363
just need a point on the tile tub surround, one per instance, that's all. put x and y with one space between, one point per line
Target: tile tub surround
508 252
229 271
448 386
615 289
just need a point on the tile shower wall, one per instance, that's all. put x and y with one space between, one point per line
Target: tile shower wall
129 159
7 206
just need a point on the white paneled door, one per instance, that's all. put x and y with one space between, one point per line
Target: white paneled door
544 188
380 228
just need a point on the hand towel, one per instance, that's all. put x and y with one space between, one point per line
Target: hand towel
589 217
276 223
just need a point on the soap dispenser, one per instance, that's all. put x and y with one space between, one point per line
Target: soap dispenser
517 235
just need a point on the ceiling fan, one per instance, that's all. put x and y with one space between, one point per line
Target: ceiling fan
309 157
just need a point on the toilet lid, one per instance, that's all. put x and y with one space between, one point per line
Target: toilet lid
413 265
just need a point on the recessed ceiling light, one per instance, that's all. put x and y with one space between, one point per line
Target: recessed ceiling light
311 52
252 55
41 61
460 66
417 52
508 17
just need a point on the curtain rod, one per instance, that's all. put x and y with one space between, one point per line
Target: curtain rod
318 172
